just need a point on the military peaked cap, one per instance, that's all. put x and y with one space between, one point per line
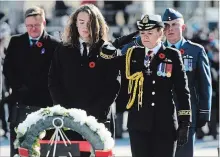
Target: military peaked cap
148 22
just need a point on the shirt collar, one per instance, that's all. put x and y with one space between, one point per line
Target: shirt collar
30 38
81 41
177 45
155 49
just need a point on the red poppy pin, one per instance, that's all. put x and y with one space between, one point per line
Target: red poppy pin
162 56
39 44
91 64
182 51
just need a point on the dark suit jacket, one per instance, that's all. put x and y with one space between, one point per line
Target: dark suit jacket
158 90
26 69
73 83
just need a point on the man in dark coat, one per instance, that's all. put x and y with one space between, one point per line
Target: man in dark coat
26 68
149 76
196 65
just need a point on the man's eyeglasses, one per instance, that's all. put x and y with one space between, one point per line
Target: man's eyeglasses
35 25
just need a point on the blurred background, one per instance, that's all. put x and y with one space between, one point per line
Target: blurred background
201 18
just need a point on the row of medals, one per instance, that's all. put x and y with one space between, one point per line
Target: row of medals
165 68
188 63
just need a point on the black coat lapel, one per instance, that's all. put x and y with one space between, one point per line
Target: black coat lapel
25 40
94 49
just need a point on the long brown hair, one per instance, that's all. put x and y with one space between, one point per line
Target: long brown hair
97 28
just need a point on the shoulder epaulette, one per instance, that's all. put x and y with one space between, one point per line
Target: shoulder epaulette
137 46
195 44
108 51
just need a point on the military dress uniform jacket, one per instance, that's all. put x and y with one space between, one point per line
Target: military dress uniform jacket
158 110
26 69
89 84
197 68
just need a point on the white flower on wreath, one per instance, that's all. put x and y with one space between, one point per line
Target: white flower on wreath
31 119
92 123
57 109
78 116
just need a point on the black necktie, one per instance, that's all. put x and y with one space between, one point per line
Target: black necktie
84 50
149 54
173 46
33 42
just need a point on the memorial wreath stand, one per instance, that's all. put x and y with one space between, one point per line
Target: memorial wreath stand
98 139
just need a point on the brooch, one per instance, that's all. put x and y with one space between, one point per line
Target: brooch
162 56
182 51
91 64
39 44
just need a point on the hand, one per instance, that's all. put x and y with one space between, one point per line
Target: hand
121 41
200 122
201 119
108 51
182 136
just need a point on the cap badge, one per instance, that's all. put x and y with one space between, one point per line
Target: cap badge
145 19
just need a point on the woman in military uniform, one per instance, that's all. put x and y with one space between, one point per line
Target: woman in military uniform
149 77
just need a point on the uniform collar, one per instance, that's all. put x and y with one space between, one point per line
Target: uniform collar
178 44
155 49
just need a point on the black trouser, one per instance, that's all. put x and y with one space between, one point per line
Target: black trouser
187 150
3 119
13 151
152 144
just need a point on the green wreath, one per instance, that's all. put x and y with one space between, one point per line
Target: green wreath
95 133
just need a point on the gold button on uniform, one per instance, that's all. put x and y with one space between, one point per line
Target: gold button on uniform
153 93
153 104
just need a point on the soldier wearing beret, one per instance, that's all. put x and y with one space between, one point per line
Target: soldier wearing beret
196 65
151 74
26 68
